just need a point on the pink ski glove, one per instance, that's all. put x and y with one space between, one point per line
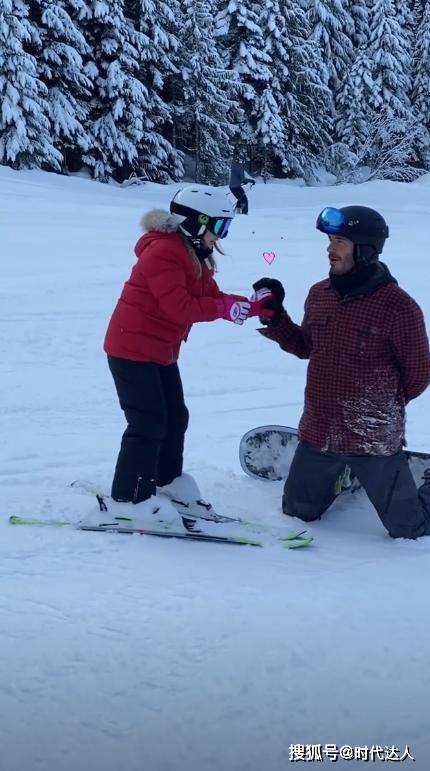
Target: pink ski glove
258 301
238 310
233 309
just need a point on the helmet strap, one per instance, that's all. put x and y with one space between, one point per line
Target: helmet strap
201 251
364 254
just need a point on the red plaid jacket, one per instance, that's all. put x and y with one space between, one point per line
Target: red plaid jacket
368 356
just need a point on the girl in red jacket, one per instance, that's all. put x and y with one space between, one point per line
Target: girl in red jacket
171 286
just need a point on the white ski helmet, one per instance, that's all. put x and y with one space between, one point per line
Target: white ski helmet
200 208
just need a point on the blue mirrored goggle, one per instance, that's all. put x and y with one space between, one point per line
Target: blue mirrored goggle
219 226
331 220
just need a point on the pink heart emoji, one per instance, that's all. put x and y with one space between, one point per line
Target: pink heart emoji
269 257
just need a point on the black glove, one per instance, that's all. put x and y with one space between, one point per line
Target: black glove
275 303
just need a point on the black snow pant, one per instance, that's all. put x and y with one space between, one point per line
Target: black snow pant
242 200
152 445
387 480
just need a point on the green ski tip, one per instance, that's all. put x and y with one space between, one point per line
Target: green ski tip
15 520
296 543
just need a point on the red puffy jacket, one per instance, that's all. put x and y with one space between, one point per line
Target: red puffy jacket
166 293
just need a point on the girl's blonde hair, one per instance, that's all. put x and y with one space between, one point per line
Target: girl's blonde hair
189 247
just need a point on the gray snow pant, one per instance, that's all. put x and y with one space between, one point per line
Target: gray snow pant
387 480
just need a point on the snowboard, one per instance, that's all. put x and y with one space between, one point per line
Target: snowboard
266 452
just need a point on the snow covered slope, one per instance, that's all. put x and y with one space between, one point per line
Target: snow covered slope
133 654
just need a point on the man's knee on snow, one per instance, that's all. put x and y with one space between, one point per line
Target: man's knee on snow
403 530
305 511
403 533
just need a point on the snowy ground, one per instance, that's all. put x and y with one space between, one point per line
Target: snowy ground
133 654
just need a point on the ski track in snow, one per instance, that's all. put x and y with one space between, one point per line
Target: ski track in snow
137 654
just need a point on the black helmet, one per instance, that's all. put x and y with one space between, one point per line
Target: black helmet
365 227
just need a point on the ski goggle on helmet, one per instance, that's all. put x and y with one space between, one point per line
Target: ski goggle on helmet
218 226
332 220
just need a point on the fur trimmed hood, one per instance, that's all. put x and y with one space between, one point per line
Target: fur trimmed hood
161 221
